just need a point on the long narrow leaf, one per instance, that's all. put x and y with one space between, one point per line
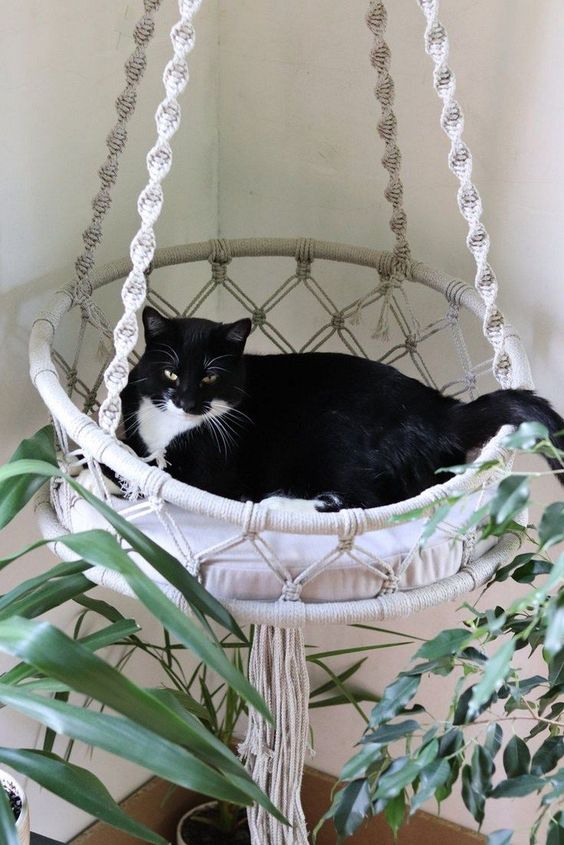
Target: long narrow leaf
15 493
167 565
54 654
50 595
127 740
102 549
77 786
69 568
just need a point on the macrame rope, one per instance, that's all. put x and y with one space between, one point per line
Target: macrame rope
380 56
469 201
275 755
115 142
149 205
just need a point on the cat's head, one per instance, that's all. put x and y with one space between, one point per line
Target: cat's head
192 367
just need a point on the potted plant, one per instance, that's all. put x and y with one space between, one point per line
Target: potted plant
502 731
13 795
145 726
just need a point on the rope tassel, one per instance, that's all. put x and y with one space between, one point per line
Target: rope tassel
275 755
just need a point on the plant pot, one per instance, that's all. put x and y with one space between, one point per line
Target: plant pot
190 832
8 783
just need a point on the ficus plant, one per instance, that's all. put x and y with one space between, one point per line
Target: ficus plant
501 732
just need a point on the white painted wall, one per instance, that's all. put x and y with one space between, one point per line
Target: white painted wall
298 155
60 71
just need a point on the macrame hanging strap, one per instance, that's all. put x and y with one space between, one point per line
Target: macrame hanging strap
380 57
469 201
149 205
115 142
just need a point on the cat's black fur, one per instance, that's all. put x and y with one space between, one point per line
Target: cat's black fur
308 424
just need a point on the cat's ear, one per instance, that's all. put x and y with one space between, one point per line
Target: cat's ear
153 323
237 332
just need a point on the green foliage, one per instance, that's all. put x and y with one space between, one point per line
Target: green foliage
167 732
402 763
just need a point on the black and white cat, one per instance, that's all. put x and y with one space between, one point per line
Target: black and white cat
336 430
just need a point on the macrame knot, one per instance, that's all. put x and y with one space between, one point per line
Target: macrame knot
92 235
253 520
376 17
72 376
410 343
436 42
143 31
387 288
380 57
478 241
135 66
460 160
84 263
338 321
151 5
385 91
109 171
259 317
304 256
168 119
452 120
470 381
444 81
159 161
345 544
219 251
183 36
116 140
291 591
125 103
175 77
387 127
102 201
391 583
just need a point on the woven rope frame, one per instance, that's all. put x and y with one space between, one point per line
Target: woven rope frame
152 481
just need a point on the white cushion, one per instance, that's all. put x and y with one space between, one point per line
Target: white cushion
241 572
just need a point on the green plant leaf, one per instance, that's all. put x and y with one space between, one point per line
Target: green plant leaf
526 436
554 637
510 499
199 599
357 766
518 786
431 778
556 830
8 834
101 548
516 757
548 755
495 672
17 491
527 573
54 654
444 644
52 594
551 526
352 808
77 786
494 736
396 695
130 741
394 813
70 568
389 733
472 795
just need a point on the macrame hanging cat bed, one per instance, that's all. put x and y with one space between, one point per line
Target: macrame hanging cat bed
277 569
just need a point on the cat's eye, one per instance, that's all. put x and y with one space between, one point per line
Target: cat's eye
171 375
210 379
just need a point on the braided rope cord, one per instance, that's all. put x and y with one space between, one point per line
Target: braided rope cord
469 200
380 57
149 205
117 138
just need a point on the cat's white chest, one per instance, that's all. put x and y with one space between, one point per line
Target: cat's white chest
157 426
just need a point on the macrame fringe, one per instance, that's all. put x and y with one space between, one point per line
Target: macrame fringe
275 755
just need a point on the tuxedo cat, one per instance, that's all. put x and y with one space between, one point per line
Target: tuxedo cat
335 429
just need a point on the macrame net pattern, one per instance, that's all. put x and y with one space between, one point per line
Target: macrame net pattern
358 300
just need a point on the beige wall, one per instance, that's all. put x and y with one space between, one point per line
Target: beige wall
298 154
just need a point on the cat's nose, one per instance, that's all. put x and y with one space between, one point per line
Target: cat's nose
189 406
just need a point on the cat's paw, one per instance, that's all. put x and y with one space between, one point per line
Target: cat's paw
329 503
285 503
